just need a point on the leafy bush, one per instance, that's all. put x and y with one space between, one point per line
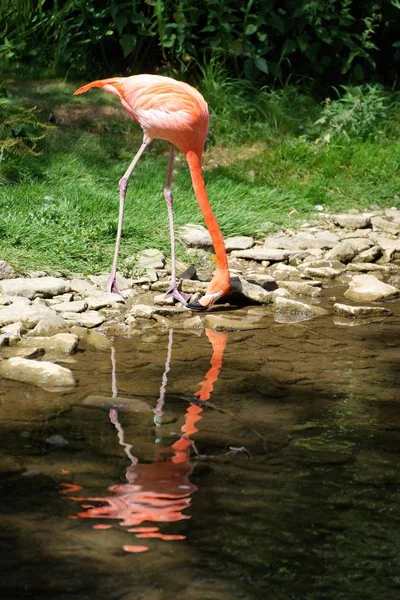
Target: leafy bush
359 113
332 41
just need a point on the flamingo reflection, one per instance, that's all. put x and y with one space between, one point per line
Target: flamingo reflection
158 492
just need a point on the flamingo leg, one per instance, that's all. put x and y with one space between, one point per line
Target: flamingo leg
123 186
173 291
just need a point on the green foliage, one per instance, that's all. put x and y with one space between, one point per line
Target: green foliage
20 130
332 41
359 113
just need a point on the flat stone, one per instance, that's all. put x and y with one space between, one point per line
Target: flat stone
322 272
356 233
293 311
300 288
142 310
195 236
219 322
43 374
239 242
49 325
261 254
385 225
60 343
359 312
343 252
349 221
29 288
6 270
82 285
367 267
27 314
14 332
97 300
151 258
89 319
384 242
13 351
97 341
282 272
251 291
128 404
282 243
368 288
369 255
101 282
193 323
77 307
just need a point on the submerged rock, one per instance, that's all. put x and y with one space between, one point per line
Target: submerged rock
293 311
43 374
346 310
61 343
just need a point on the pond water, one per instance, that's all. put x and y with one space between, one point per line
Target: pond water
260 464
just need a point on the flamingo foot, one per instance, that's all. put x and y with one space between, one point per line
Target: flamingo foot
173 292
112 287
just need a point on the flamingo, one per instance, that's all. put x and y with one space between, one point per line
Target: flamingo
174 111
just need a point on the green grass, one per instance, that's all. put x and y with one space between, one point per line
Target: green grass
59 210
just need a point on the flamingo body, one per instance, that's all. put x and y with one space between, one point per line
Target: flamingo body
176 112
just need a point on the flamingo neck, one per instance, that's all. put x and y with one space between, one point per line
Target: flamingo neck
194 161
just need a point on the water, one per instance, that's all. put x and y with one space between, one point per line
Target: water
291 489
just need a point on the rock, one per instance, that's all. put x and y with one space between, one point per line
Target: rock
306 241
366 267
57 440
368 288
261 254
360 311
97 300
356 233
97 341
49 325
101 282
4 301
239 242
151 258
266 281
293 311
30 288
349 221
6 270
89 319
128 404
195 236
61 343
322 272
142 310
13 351
193 323
282 243
43 374
251 291
369 255
14 332
76 307
343 252
82 286
300 288
385 225
232 322
286 273
28 315
384 242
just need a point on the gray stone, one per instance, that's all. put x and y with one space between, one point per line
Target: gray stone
43 286
323 272
384 242
287 310
82 286
282 243
128 404
14 332
359 312
282 272
97 341
367 267
27 314
343 252
77 307
356 233
369 255
349 221
261 254
385 225
232 322
300 288
195 236
151 258
193 323
142 310
13 351
251 291
368 288
239 242
44 374
89 319
6 270
49 325
98 300
57 440
60 343
101 282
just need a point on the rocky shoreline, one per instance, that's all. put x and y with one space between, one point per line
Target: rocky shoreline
283 277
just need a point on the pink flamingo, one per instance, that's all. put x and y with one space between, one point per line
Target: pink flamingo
174 111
